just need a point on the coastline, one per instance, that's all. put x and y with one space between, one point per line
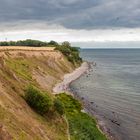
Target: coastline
64 87
70 77
100 123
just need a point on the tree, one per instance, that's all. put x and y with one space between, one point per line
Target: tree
53 43
27 42
66 44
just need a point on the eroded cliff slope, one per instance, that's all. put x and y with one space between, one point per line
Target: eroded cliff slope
18 69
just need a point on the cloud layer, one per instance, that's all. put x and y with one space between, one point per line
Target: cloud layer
71 20
73 14
61 34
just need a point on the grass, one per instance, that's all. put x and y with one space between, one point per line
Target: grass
38 100
54 126
49 108
21 67
81 125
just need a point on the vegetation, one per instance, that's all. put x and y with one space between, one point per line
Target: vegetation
38 100
42 102
59 107
21 67
28 42
16 73
32 43
81 125
53 43
72 53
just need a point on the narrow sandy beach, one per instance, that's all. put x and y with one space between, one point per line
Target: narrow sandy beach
68 78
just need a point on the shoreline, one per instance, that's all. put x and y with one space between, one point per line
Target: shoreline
70 77
64 87
99 122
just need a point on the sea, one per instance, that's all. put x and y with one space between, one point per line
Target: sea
112 89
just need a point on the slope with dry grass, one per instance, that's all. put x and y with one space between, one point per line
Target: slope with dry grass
19 68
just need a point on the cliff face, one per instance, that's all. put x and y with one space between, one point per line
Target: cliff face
18 69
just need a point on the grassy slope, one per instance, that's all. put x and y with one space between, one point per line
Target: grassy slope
81 125
16 117
23 123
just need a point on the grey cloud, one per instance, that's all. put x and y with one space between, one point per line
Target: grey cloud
76 14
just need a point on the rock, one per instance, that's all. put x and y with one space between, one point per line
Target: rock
115 122
92 102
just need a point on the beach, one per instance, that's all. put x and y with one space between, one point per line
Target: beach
70 77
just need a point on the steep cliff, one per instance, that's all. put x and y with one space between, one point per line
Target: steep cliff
19 68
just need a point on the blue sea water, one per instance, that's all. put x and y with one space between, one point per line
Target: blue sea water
113 88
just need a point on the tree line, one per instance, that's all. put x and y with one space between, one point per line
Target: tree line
28 42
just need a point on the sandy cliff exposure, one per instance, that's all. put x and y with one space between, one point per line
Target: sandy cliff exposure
18 68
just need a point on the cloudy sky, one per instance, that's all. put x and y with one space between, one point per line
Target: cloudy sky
72 20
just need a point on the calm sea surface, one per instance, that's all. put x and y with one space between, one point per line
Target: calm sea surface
113 89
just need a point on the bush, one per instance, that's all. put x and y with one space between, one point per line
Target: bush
38 100
70 104
59 107
53 43
72 53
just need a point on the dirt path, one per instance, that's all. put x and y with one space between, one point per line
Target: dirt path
68 133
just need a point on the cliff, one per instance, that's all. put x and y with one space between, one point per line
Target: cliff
28 109
20 67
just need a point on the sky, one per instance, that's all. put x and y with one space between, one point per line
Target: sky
77 21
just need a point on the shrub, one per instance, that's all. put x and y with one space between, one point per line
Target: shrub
72 53
38 100
59 107
53 43
70 104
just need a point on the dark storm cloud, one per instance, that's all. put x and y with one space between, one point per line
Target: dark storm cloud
83 14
